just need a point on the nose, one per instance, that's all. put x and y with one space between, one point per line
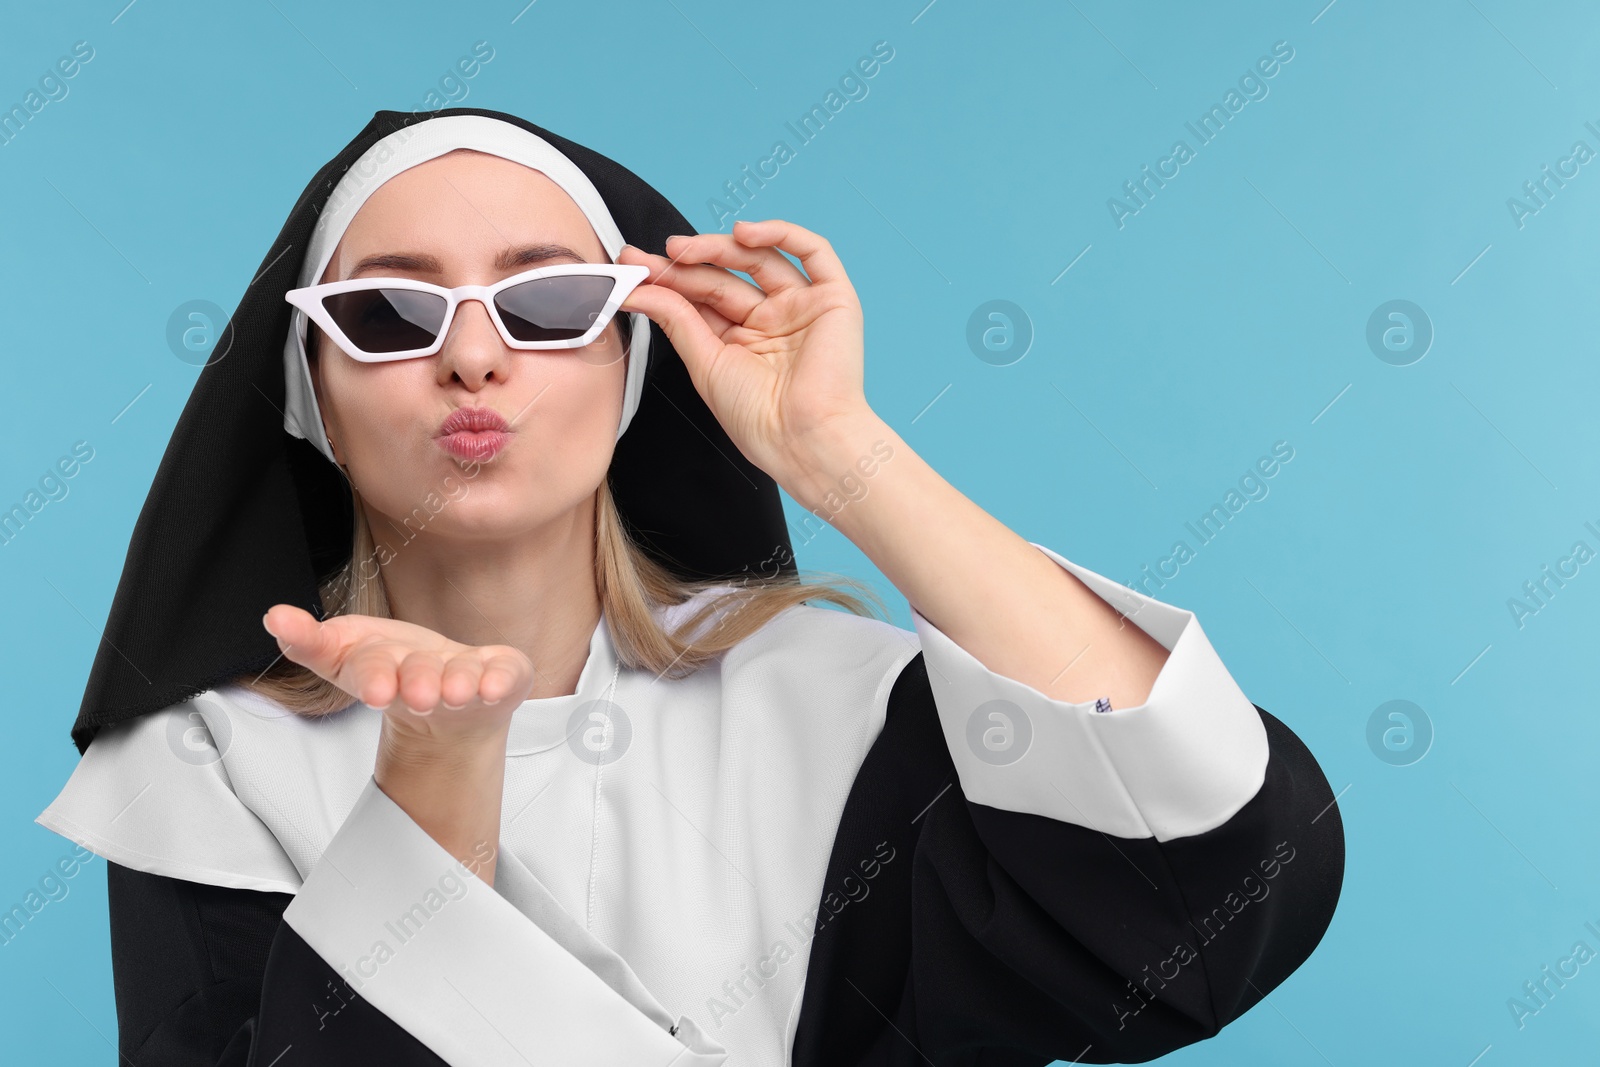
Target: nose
473 352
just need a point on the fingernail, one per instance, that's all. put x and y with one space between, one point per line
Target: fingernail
678 237
452 707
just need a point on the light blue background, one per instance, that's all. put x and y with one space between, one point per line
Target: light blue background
1228 314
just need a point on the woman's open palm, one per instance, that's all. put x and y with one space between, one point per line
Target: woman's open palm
427 685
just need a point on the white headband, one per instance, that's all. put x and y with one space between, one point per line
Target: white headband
400 151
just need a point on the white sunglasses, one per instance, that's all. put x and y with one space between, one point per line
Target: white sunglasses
379 319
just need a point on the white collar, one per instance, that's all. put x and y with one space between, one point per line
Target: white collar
542 723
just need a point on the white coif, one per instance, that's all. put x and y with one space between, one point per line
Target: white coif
400 151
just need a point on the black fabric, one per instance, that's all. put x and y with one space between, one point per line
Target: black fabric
213 977
242 515
1005 939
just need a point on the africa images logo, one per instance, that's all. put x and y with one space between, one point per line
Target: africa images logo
999 732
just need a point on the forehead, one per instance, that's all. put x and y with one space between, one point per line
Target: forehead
463 208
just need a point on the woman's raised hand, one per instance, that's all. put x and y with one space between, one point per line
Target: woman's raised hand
775 361
430 688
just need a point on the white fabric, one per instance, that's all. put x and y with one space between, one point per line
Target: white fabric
686 873
398 152
1181 763
403 922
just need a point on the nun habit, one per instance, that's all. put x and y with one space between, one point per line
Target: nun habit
802 854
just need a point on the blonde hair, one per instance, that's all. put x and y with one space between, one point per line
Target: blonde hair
632 587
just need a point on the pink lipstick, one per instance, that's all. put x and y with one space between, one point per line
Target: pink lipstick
473 433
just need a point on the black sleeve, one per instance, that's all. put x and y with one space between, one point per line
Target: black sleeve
212 977
1013 939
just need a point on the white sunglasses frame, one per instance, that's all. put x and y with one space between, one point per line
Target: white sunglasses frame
628 277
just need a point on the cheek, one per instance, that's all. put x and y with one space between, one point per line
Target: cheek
568 434
577 410
374 407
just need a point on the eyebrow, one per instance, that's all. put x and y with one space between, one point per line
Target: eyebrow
422 263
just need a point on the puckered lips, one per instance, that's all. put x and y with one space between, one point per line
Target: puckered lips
474 433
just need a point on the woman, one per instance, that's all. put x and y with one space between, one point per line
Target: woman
538 753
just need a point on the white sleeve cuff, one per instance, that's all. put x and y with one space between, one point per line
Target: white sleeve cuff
1177 765
446 957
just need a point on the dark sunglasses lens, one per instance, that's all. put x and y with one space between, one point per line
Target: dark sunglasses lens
388 320
554 309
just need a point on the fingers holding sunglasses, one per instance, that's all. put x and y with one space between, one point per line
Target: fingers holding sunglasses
694 330
717 322
731 297
766 265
